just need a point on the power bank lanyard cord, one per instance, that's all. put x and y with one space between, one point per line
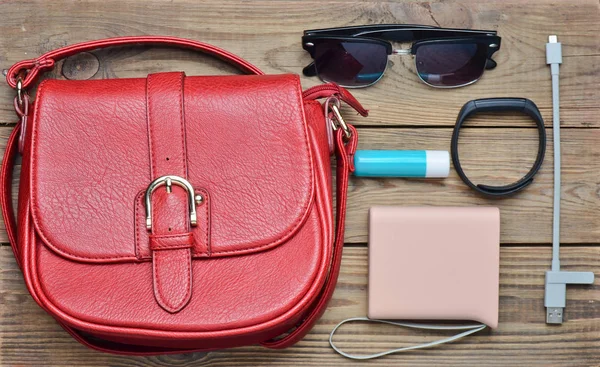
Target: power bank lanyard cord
470 329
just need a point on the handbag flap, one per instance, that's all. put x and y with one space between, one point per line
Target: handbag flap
247 152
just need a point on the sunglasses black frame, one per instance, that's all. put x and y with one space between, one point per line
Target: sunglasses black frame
383 31
383 34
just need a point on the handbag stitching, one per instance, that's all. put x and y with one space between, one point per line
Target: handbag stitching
207 203
136 214
182 126
150 135
159 238
170 247
91 323
293 227
161 299
38 99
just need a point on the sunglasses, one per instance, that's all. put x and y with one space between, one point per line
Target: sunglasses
356 57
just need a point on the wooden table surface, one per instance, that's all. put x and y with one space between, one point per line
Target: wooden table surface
405 114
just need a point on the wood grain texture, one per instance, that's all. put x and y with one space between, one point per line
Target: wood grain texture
404 114
30 336
267 33
495 156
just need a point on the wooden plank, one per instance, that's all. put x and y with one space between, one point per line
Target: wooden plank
398 100
268 34
31 338
491 156
488 155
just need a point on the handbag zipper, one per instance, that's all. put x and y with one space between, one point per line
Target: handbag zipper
330 89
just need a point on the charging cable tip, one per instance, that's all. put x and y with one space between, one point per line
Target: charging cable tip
554 315
553 53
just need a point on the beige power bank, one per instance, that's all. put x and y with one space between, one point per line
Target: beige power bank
434 263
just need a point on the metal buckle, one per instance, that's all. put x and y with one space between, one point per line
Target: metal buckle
20 91
340 122
333 104
168 181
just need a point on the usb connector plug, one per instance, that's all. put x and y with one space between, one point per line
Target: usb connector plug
554 315
555 298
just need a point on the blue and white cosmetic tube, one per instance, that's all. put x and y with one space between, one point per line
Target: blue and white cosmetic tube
402 163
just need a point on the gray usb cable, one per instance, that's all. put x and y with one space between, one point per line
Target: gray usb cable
556 280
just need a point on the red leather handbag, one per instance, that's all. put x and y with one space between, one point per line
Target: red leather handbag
175 214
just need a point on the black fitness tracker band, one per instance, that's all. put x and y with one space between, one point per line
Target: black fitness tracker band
522 105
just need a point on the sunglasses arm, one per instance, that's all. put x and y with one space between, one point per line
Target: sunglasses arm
490 64
354 30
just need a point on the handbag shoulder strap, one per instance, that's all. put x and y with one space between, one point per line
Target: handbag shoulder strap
345 166
8 163
30 70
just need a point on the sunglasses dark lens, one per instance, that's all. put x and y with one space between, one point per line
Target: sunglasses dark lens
350 64
451 65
